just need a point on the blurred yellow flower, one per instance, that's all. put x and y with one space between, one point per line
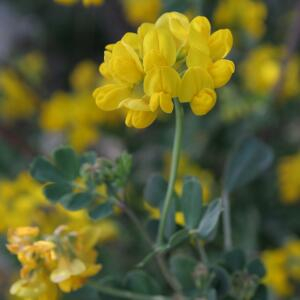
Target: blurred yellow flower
283 268
289 178
17 100
62 261
277 276
138 11
84 2
145 68
74 113
33 66
23 204
249 15
261 71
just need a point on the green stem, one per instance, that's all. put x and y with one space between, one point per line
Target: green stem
226 222
172 281
202 252
123 294
173 171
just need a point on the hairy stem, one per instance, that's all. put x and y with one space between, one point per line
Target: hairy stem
173 172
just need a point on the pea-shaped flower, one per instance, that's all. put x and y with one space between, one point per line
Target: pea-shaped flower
173 58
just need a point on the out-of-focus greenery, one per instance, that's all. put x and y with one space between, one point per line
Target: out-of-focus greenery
247 149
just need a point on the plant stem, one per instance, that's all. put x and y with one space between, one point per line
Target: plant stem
173 171
201 251
125 294
172 281
226 222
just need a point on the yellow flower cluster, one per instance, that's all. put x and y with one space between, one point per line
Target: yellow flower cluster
84 2
23 204
74 113
283 268
17 100
261 71
289 178
249 15
173 58
138 11
62 261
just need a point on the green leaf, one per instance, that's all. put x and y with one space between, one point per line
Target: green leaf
78 201
55 191
89 157
67 162
155 190
170 222
183 267
261 293
42 170
101 211
257 268
150 255
249 159
210 219
235 260
140 282
221 280
191 201
212 295
178 238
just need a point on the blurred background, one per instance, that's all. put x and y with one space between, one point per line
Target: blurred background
49 57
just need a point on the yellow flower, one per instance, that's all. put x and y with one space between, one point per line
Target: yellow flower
277 276
84 2
289 178
283 268
170 58
248 15
73 113
261 71
36 287
64 260
17 100
138 11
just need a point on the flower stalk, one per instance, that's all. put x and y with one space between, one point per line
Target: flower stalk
226 222
173 171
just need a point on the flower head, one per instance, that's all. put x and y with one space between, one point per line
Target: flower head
62 261
172 58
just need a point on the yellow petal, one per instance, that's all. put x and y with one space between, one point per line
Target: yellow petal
199 33
143 119
162 79
176 23
198 58
162 42
220 43
108 97
221 72
162 100
125 64
60 275
153 59
77 267
135 104
194 80
203 102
